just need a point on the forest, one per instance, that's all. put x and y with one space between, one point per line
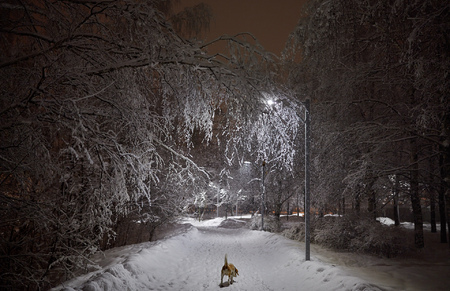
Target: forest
116 118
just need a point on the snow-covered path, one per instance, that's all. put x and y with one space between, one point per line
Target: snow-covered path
193 260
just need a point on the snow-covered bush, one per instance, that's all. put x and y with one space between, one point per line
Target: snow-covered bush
361 234
271 223
296 232
354 233
232 223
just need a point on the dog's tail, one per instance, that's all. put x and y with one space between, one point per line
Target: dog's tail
226 261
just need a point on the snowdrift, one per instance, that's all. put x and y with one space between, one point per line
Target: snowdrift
193 259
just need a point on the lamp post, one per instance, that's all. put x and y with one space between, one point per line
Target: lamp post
262 194
307 123
217 208
307 177
269 102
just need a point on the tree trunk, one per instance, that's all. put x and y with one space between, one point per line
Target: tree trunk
396 208
441 201
445 169
433 211
357 207
372 203
415 198
343 206
287 216
278 209
432 192
447 206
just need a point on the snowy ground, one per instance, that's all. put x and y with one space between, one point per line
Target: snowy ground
192 260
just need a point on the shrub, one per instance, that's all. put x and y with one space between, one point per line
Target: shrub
356 234
296 232
271 223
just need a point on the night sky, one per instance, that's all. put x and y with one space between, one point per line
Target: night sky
270 21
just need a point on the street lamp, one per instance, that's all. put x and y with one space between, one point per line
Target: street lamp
262 195
307 123
269 102
217 207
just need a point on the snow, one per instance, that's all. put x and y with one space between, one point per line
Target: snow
192 260
386 220
408 225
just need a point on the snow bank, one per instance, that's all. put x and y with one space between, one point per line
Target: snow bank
385 220
211 222
203 223
193 260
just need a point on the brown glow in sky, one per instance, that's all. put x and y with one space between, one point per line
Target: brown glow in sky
270 21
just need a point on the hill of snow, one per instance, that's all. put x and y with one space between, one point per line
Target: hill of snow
192 260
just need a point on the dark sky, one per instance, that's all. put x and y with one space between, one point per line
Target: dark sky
270 21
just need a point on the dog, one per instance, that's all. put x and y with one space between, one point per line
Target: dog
228 270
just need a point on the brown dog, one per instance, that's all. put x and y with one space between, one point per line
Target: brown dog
228 270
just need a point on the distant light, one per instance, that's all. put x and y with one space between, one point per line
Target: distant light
247 162
270 102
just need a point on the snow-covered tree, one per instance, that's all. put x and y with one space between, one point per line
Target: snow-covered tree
99 103
376 72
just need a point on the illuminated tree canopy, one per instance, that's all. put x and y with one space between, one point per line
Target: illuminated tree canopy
99 103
